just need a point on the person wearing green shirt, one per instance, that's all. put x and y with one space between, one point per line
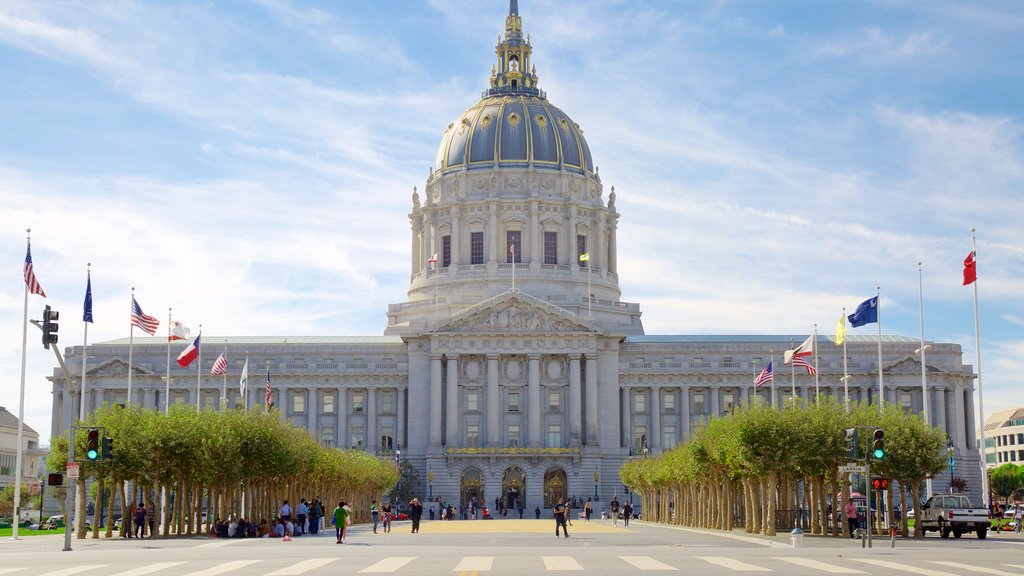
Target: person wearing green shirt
340 519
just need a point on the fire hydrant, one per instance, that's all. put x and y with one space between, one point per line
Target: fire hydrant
797 537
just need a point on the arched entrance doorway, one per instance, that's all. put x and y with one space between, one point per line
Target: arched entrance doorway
513 487
554 486
471 486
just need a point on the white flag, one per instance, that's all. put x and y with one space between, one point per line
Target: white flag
805 349
244 380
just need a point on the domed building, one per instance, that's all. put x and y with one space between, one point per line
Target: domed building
515 371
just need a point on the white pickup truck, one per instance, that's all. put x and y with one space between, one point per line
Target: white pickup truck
953 514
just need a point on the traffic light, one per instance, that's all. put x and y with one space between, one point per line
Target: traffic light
107 451
879 484
50 326
55 480
878 447
851 442
92 445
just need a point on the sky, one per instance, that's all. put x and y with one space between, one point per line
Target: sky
250 164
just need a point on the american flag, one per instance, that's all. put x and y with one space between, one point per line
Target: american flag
798 361
765 376
220 366
269 401
139 318
30 276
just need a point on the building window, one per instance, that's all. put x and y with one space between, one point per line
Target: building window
554 400
211 399
513 435
446 251
513 401
472 401
472 435
668 436
387 402
513 246
387 438
581 249
906 401
358 402
358 437
668 402
640 437
327 436
728 401
639 401
476 247
554 435
298 402
698 403
551 247
177 397
327 404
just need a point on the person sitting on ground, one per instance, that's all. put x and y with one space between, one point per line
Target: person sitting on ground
232 528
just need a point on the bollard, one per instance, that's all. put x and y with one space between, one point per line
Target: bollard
797 537
892 537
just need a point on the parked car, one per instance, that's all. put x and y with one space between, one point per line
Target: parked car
399 516
953 514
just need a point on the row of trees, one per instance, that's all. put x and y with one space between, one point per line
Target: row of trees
220 463
742 468
1006 481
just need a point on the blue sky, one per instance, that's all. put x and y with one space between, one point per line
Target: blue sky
250 164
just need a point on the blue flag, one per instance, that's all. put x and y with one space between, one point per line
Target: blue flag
866 313
87 310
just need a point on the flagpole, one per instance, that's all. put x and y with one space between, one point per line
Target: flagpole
981 404
924 376
21 406
817 390
245 391
512 248
881 386
771 360
846 375
131 349
224 384
199 368
85 344
167 378
792 374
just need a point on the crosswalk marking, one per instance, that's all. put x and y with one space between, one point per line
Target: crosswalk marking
560 563
220 543
475 564
388 564
818 565
302 567
971 568
72 570
222 568
147 569
904 567
646 563
733 564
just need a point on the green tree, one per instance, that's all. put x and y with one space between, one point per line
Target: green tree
1005 481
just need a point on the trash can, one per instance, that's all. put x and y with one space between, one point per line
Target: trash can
797 537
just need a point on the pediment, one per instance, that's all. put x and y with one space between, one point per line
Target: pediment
116 367
908 365
515 312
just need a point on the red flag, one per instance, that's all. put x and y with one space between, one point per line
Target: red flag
189 354
970 272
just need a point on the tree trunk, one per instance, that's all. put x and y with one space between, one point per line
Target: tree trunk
915 489
79 509
111 501
772 499
98 508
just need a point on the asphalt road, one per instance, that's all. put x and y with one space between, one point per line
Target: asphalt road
502 547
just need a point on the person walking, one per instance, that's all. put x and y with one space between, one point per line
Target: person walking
302 513
1017 516
588 509
560 519
614 508
386 511
415 513
627 513
140 521
851 517
374 514
340 520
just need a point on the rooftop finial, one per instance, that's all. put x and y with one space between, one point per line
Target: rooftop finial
513 7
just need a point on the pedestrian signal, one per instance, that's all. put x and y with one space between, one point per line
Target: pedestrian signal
879 484
55 480
108 449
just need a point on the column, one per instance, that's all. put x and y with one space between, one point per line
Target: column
536 238
940 409
493 401
456 240
574 262
417 242
654 435
401 416
534 405
744 395
959 419
424 244
627 419
714 391
372 437
970 426
492 233
341 428
599 240
591 400
435 400
312 407
684 412
451 436
575 401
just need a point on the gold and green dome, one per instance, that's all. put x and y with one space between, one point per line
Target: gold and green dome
513 125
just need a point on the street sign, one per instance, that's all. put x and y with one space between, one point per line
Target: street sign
851 468
72 470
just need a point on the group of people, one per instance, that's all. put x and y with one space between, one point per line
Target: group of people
306 518
139 518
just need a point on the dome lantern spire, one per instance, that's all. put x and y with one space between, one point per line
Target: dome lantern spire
514 74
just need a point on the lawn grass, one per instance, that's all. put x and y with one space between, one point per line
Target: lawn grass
7 532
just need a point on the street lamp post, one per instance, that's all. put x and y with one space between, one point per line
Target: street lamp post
597 479
949 450
398 464
430 483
